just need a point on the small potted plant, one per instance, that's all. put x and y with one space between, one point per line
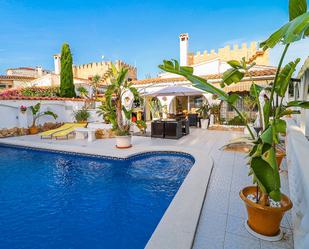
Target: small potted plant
82 115
203 112
23 109
36 114
115 93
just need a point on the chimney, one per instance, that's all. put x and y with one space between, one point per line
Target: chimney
183 38
39 71
57 63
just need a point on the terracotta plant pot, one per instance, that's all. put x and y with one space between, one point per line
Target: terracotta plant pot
264 220
33 130
279 157
123 142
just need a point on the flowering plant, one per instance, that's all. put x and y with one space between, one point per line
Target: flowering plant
23 108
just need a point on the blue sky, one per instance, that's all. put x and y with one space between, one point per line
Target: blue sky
142 33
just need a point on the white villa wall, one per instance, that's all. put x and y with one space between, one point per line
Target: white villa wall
11 116
210 67
304 93
215 66
297 160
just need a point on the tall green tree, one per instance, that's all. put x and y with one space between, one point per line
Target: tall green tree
67 88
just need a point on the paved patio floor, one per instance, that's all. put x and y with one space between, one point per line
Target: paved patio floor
222 220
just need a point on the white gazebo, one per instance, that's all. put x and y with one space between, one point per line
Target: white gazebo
167 94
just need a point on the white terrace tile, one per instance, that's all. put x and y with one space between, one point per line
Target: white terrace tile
216 200
286 242
233 241
221 177
211 231
235 225
236 206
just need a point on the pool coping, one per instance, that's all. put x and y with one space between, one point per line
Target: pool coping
178 225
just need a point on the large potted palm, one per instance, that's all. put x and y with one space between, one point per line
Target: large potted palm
265 203
116 92
36 115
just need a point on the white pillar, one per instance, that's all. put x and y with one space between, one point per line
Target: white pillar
57 63
184 42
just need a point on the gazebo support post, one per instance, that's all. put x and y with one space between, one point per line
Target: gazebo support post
188 104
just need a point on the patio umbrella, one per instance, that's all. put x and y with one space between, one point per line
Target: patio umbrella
176 91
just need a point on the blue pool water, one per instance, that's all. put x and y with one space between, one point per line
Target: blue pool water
64 201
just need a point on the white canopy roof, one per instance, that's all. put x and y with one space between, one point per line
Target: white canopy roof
176 91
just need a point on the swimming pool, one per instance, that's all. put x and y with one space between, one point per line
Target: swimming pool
63 200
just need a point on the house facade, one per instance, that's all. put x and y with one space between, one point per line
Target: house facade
21 76
210 66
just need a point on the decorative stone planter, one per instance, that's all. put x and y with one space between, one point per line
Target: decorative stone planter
33 130
264 221
123 142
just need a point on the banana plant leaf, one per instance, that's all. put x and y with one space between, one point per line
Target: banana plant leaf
50 113
266 174
35 109
284 77
297 8
232 76
255 90
299 103
287 112
280 126
266 111
235 64
127 113
295 30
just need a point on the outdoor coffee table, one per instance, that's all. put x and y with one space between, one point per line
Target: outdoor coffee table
81 132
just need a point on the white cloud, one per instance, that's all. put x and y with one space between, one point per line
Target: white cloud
296 50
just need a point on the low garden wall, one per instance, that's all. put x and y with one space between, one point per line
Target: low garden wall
12 117
297 159
16 131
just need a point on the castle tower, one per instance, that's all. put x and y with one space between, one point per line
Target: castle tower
184 43
57 63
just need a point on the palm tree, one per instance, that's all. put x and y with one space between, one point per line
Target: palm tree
83 92
118 87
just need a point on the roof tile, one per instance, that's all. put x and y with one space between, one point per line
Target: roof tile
256 73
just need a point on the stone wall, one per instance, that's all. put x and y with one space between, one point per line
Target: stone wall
87 71
16 131
11 116
236 53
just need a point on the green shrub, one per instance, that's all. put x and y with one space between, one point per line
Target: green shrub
237 120
40 91
82 115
